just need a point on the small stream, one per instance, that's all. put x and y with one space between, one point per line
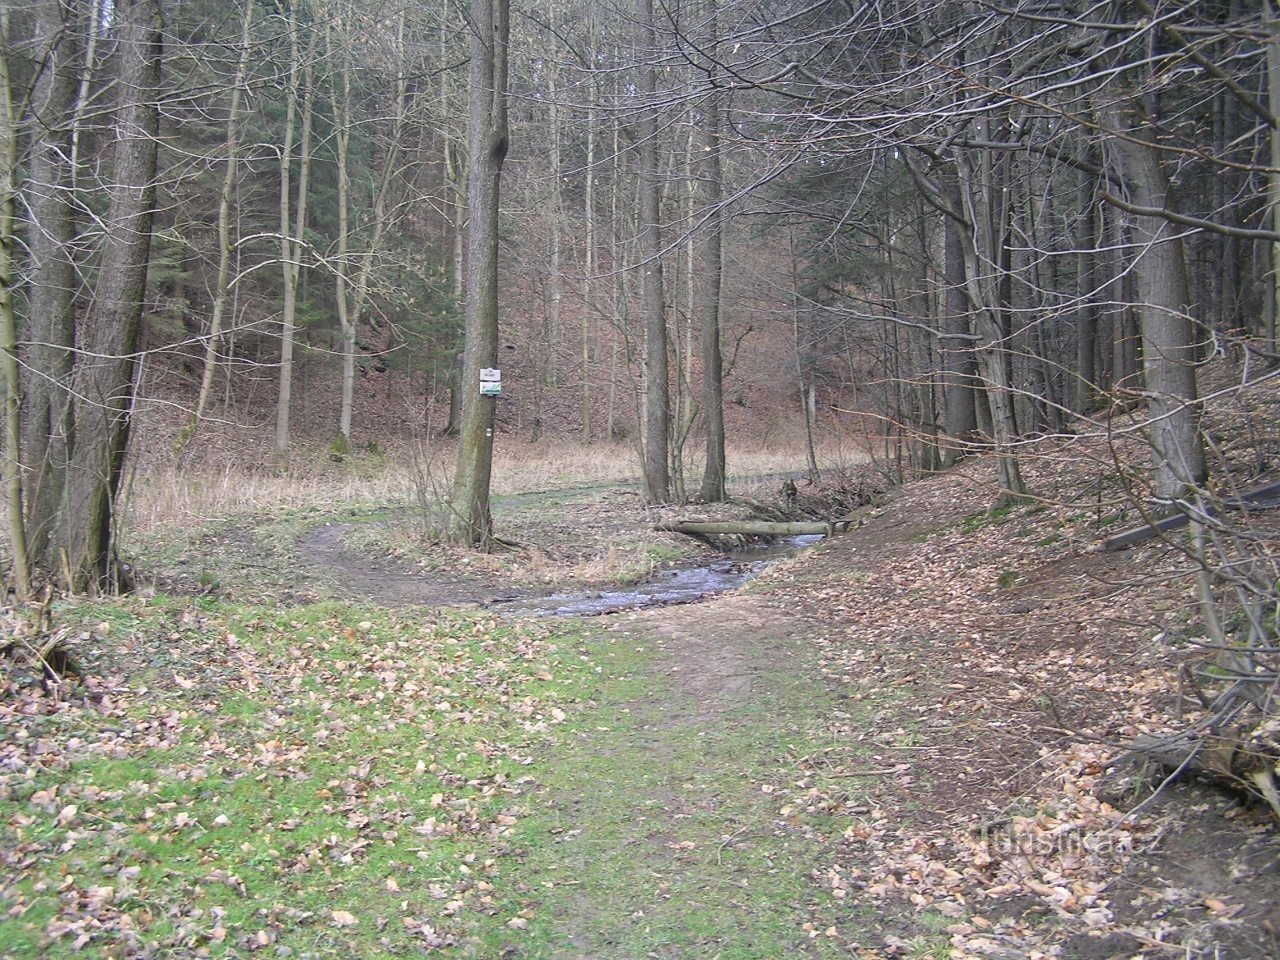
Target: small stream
679 584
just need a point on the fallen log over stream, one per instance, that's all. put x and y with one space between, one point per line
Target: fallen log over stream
755 528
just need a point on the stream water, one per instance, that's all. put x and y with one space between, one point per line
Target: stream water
679 584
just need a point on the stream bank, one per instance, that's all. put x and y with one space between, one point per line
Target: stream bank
325 550
580 551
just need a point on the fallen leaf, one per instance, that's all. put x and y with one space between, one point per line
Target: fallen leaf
1220 908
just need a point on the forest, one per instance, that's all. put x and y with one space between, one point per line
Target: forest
465 301
970 224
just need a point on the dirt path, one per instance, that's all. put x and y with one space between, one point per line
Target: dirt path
354 574
717 655
675 842
780 772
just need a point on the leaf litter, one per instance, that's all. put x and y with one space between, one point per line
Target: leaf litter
328 777
1009 662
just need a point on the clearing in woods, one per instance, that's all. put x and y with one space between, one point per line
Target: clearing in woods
883 746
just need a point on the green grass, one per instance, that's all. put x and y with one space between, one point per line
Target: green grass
255 558
659 839
342 781
994 516
322 757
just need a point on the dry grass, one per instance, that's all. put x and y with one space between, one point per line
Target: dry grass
165 494
171 495
610 564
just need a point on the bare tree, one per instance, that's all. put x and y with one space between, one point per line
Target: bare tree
657 405
708 277
300 97
63 42
103 382
1169 352
487 138
353 285
9 135
222 286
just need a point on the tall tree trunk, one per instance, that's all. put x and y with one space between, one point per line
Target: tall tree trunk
589 243
684 407
922 348
958 362
707 282
225 197
453 155
802 346
1124 344
453 420
1088 238
1269 328
984 196
9 135
487 134
555 292
300 97
352 292
618 293
1048 401
288 277
104 377
657 408
1108 294
346 325
49 189
1168 342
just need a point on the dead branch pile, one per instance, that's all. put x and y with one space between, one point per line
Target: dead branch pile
33 652
1235 685
750 529
837 494
1236 741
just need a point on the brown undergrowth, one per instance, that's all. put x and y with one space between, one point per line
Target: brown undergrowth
1024 659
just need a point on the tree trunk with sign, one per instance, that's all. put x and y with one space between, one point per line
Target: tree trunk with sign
471 522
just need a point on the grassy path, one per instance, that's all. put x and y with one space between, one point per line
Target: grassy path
665 831
267 777
332 781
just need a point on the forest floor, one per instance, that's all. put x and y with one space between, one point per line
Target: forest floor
885 746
